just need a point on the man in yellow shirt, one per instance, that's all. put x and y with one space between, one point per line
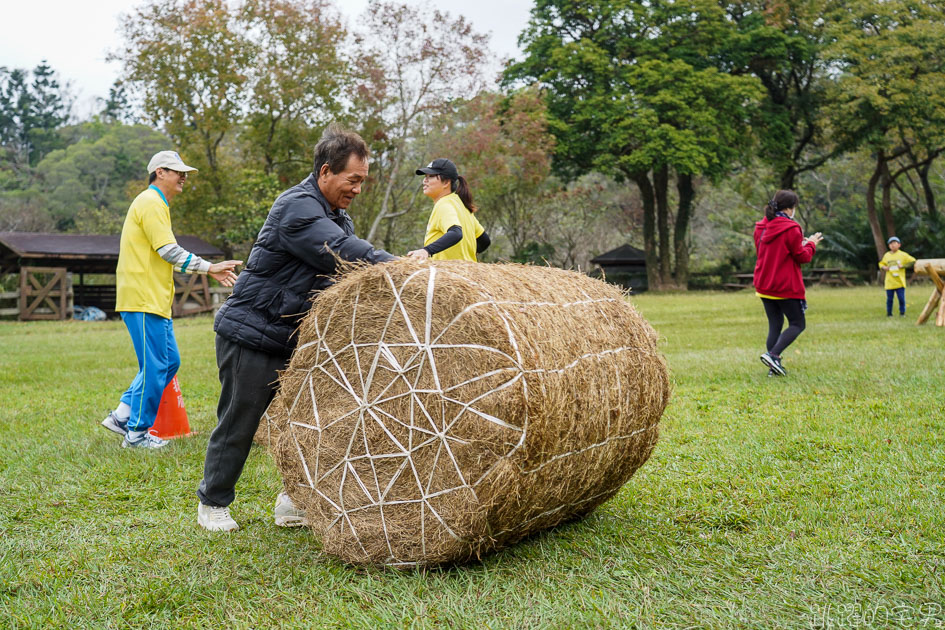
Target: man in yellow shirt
148 256
894 263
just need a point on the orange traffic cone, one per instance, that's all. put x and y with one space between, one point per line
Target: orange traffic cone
171 419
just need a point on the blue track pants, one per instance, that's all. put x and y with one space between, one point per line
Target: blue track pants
158 360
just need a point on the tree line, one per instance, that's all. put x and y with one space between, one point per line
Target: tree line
664 124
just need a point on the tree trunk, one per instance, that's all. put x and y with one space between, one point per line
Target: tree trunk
642 181
878 239
216 177
927 189
887 184
271 133
517 227
660 191
385 203
687 194
788 176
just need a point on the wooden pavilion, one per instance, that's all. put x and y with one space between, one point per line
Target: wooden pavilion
53 269
625 265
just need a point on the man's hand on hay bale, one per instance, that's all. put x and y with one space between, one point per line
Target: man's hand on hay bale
419 254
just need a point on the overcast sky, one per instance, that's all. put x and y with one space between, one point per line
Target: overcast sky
75 36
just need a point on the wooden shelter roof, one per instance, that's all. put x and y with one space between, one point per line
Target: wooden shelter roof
83 253
623 255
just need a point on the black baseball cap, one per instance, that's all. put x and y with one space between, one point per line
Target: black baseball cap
440 166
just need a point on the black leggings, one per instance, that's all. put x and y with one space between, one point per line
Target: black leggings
777 310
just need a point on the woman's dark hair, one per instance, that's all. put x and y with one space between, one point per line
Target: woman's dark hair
783 199
336 147
461 188
152 177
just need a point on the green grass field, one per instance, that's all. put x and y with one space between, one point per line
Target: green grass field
809 501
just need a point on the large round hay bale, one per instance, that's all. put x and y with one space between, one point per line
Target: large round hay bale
434 412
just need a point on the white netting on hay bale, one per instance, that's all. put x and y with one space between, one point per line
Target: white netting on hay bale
434 412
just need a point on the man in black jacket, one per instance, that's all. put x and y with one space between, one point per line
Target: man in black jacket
256 327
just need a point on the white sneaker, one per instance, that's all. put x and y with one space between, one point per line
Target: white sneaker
215 519
287 515
143 439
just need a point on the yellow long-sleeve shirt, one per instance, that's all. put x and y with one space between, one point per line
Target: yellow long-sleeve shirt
897 262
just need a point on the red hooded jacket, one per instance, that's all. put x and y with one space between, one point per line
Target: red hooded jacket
781 252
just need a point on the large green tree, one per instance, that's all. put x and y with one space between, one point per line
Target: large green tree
639 90
784 43
892 75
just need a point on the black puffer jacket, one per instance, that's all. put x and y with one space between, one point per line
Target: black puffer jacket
287 266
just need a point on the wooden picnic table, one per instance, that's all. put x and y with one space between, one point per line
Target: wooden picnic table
935 269
742 281
830 276
826 276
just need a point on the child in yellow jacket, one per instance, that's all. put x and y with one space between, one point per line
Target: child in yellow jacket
894 263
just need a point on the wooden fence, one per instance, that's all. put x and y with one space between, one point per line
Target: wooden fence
9 303
49 294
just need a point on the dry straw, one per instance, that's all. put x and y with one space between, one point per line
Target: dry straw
434 412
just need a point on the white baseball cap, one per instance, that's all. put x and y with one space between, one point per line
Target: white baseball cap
168 159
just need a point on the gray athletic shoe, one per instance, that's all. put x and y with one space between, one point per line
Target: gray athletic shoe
143 439
286 514
116 424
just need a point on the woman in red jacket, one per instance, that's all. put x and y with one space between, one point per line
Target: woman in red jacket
782 249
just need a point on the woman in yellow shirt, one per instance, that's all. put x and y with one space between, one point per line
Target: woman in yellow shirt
453 233
894 263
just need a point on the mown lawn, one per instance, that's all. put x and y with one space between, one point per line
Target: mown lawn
809 501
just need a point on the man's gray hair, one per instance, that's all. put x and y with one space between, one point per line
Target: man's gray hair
336 147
